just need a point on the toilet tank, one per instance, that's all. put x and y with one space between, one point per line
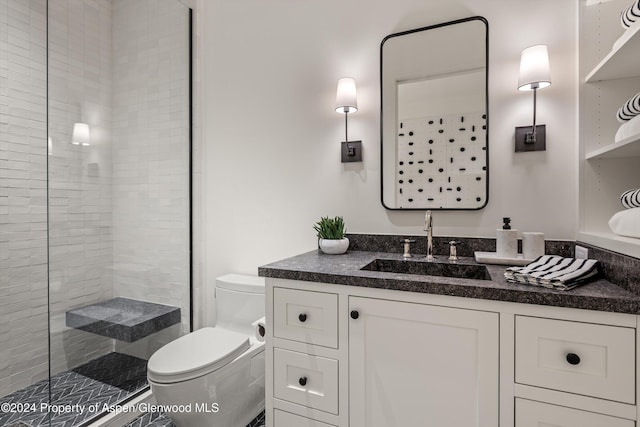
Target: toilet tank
239 302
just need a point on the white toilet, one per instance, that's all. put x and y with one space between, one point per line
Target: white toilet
215 376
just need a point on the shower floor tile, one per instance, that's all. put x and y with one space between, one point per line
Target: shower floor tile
106 380
157 419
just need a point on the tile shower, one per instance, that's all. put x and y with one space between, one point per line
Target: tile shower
80 225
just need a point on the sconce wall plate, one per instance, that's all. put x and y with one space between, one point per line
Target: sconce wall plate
351 151
540 143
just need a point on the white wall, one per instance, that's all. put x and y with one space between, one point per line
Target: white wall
271 137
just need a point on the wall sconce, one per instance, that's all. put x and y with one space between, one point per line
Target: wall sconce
347 102
81 134
534 75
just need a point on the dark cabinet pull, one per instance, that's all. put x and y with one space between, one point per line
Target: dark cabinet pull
573 359
302 317
355 314
302 381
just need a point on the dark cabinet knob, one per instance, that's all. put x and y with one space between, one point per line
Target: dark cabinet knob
573 359
302 381
355 314
302 317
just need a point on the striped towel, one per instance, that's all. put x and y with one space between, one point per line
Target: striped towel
630 199
554 272
629 109
630 15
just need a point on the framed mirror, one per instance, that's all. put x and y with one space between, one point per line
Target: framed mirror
435 116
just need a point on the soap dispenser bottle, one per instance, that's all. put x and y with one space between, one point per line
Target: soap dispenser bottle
507 240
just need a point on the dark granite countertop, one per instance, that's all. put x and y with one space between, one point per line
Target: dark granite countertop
346 269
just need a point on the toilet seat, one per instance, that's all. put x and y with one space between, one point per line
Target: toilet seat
198 353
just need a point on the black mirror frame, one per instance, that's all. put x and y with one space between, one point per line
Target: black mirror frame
431 27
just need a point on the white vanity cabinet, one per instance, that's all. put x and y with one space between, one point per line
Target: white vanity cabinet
348 356
305 356
418 364
574 373
575 357
342 356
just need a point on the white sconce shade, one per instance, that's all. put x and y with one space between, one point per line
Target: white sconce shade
346 99
534 68
49 146
534 75
347 102
81 134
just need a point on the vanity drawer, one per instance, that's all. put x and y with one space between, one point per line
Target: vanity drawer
285 419
308 380
536 414
582 358
306 316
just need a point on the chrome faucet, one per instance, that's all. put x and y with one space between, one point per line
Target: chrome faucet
428 227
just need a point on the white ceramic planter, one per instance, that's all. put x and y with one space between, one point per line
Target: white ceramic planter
334 247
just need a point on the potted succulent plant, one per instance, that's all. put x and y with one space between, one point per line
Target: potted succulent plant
331 235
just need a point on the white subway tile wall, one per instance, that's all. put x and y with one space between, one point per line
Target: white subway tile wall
80 247
151 157
118 209
23 194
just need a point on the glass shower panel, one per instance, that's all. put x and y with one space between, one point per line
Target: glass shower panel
119 194
24 348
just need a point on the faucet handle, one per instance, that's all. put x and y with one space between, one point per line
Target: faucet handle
407 247
453 253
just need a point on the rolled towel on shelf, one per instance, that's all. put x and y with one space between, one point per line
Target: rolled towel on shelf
554 272
626 223
630 199
630 15
629 109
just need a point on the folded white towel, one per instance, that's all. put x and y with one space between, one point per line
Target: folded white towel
630 15
629 109
629 129
555 272
630 199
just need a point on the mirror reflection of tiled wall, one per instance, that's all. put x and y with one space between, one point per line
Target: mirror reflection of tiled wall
442 162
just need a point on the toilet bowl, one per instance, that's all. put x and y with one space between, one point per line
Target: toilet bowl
215 376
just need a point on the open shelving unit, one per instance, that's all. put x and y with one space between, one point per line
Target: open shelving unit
606 168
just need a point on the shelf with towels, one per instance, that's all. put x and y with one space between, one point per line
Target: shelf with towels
606 168
622 62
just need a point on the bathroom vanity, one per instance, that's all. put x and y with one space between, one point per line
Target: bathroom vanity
356 340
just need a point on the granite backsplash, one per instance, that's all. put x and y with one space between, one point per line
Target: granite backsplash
619 269
622 270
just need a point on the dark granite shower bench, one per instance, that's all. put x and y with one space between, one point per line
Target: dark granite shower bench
123 319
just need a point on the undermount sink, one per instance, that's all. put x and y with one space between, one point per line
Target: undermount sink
459 271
